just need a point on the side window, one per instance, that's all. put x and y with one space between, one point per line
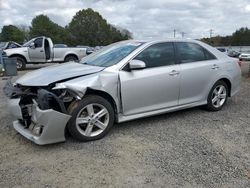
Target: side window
38 42
209 55
191 52
157 55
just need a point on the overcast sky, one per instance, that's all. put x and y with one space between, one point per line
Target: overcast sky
144 18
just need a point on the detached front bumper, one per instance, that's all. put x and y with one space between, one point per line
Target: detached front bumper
46 127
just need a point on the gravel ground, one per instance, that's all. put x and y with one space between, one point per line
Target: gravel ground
189 148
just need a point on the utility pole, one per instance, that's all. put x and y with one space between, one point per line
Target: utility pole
211 32
183 34
174 32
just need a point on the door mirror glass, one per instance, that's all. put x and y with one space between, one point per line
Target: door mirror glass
32 45
136 64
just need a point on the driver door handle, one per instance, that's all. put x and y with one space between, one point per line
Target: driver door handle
174 72
41 51
215 67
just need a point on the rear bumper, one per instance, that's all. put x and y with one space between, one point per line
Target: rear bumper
46 127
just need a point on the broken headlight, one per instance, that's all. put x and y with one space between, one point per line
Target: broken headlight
66 91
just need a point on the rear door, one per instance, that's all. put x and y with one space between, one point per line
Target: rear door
198 66
156 86
37 54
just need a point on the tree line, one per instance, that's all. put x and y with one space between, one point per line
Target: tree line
240 37
87 27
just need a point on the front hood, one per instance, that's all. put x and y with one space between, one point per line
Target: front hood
16 50
52 74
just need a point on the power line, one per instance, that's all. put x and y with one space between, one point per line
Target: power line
183 34
211 31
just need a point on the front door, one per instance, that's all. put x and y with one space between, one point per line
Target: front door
155 87
37 54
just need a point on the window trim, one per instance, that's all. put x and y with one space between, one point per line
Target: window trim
123 68
203 49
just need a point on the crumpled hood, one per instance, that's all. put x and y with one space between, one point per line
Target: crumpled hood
12 51
51 74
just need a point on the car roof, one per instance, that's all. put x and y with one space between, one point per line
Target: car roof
213 50
164 40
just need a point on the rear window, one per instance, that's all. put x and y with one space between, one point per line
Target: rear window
192 52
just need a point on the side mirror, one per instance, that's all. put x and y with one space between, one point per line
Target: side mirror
136 64
32 45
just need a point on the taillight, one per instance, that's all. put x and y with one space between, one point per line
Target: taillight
239 63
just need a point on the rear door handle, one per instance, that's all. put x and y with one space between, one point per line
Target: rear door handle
174 72
215 66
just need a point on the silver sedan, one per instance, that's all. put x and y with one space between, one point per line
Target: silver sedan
121 82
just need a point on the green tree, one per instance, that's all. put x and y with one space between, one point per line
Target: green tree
42 26
12 33
89 28
25 30
241 37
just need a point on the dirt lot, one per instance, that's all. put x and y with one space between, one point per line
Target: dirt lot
190 148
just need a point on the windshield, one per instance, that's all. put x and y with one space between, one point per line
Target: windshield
111 55
27 44
2 44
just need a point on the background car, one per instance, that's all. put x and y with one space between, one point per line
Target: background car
89 50
233 53
245 56
41 50
222 49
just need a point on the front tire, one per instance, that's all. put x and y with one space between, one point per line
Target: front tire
92 118
218 96
20 63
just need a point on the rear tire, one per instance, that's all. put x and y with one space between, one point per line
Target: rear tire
92 118
70 58
218 96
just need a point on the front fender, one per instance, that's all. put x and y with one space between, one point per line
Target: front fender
102 81
23 52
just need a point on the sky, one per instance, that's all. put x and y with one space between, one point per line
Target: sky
144 18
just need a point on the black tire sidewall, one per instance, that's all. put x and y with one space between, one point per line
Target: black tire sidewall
210 106
71 126
70 58
23 62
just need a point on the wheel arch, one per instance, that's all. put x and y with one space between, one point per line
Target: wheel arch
229 84
19 55
71 54
106 96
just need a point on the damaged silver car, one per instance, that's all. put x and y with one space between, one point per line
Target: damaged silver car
123 81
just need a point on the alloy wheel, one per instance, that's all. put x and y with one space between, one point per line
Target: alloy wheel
19 64
219 96
92 120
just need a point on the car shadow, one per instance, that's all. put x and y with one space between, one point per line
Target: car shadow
31 67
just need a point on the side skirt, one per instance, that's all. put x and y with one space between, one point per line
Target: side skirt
122 118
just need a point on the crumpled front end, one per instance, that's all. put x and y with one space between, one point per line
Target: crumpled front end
41 115
42 111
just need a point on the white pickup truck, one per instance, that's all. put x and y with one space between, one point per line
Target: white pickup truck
41 50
